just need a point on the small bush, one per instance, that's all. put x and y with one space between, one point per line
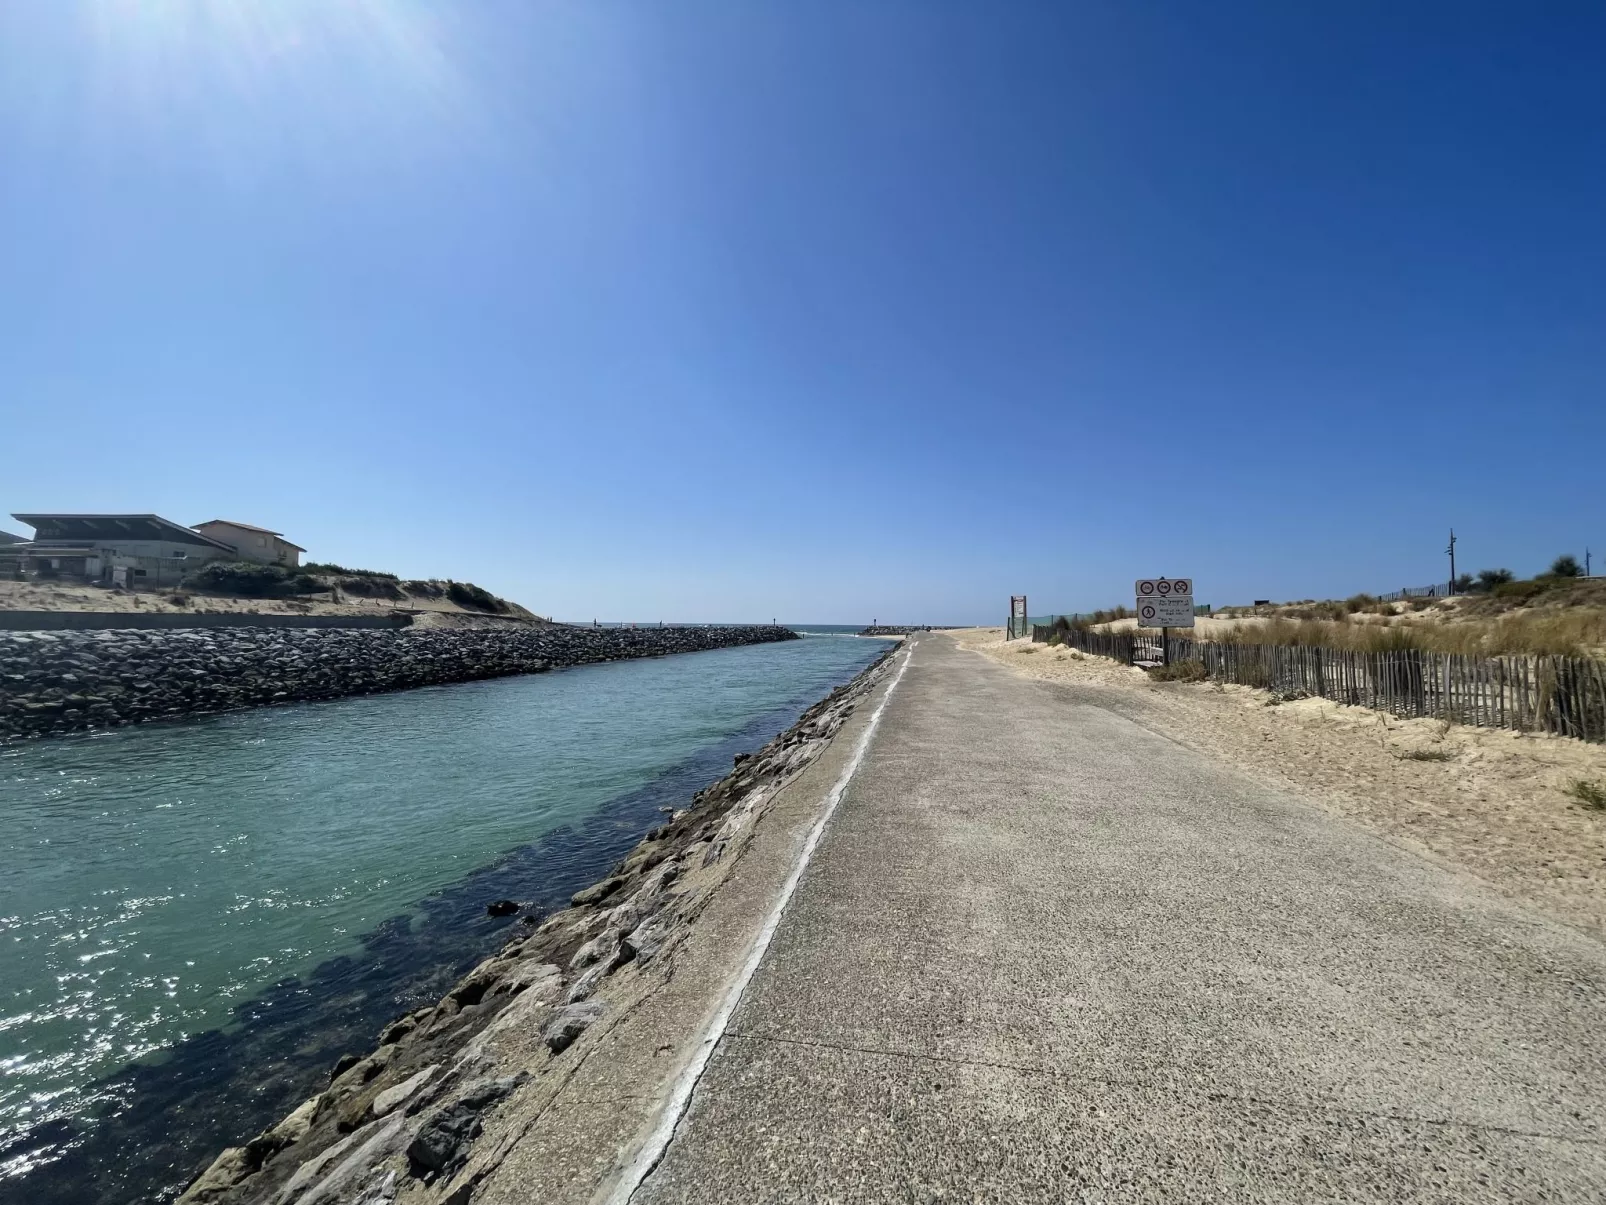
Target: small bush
328 569
1520 591
1427 755
1565 566
1591 794
1084 622
1180 671
1488 579
1290 695
249 580
474 598
369 586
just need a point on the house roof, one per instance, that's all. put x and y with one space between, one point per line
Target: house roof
249 527
111 527
7 537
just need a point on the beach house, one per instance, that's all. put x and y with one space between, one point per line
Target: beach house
253 543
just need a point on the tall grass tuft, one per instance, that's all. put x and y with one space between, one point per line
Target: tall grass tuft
1591 794
1580 632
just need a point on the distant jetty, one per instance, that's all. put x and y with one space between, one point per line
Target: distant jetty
54 682
882 629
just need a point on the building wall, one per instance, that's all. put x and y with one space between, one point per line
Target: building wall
255 546
149 564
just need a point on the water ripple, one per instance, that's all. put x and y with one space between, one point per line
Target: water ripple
238 900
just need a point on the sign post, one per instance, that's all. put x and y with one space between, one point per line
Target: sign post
1165 603
1017 616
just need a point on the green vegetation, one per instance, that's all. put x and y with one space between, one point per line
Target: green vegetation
1591 794
475 598
1579 632
249 580
1065 623
326 569
1488 579
1565 566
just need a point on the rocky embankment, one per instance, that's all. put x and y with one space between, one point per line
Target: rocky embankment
882 629
401 1124
55 682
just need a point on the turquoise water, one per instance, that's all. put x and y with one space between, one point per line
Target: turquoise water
163 881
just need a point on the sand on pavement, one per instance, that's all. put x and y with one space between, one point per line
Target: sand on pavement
1497 807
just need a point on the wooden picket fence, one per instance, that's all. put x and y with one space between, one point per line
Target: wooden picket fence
1564 695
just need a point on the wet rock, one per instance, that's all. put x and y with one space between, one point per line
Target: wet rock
345 1063
397 1030
230 1168
501 908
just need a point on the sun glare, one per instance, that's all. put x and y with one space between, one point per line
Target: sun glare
325 71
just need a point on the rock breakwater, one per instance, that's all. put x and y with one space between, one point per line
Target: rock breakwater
412 1120
59 682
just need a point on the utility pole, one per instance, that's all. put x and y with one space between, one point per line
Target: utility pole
1451 551
1586 562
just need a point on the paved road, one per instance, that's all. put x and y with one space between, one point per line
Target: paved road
1045 954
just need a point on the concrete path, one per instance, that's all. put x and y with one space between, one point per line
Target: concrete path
1044 954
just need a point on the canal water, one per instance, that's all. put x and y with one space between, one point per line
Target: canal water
198 918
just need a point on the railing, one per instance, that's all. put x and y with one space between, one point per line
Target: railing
1441 590
1563 695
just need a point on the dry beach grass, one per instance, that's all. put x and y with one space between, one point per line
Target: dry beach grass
1508 807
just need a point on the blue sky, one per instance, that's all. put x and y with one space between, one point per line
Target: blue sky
827 311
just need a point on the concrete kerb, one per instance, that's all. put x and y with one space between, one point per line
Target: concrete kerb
652 1150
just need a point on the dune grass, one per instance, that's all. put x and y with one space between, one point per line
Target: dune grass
1590 794
1564 633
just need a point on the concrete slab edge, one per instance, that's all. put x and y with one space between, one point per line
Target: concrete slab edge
651 1153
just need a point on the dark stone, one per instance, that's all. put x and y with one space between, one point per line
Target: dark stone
344 1064
501 908
181 671
443 1142
570 1022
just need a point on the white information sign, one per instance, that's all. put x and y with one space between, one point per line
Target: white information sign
1169 612
1164 602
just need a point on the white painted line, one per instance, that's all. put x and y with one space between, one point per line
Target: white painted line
653 1150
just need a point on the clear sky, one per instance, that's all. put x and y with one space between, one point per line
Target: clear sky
821 310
